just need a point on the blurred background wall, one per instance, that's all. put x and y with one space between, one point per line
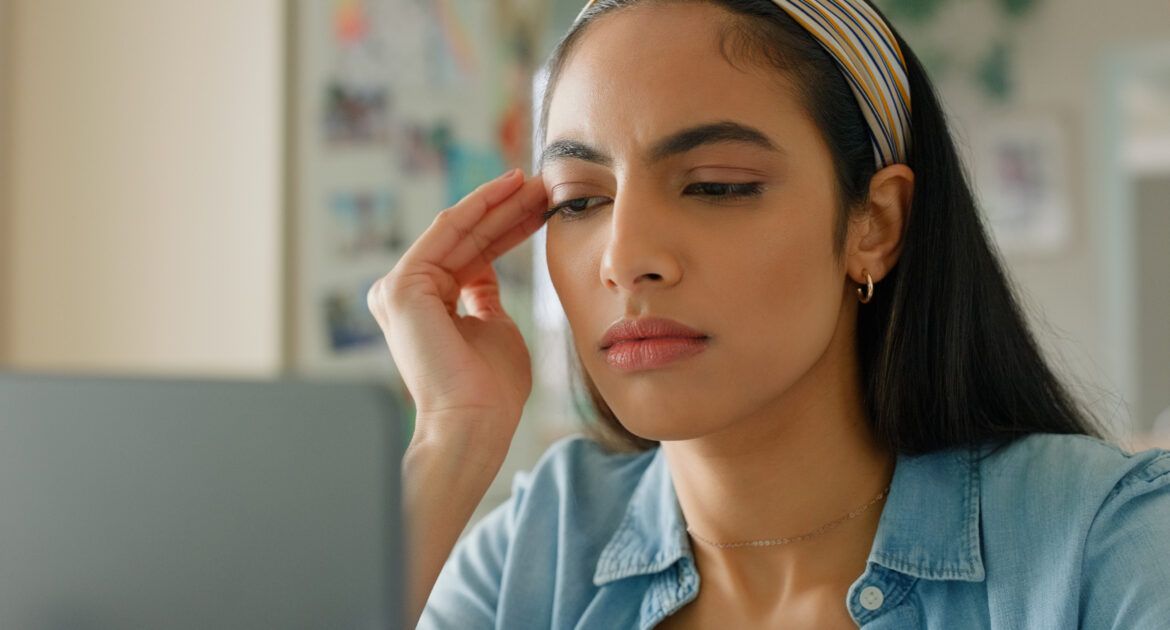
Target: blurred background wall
1100 78
5 160
165 190
143 186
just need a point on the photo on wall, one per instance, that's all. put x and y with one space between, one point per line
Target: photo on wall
364 223
356 114
423 147
349 324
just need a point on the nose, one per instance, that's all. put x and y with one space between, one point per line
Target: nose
641 252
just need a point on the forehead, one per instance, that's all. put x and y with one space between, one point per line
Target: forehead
642 72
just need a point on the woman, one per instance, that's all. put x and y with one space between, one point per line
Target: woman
817 396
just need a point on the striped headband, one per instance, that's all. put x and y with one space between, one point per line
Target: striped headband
868 54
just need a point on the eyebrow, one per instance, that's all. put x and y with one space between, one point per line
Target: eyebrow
674 144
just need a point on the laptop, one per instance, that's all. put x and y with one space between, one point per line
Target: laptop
130 503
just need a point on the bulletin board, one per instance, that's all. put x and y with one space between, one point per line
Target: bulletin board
397 109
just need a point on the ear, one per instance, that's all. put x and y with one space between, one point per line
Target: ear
875 233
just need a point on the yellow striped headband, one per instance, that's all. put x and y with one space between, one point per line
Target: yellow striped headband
868 54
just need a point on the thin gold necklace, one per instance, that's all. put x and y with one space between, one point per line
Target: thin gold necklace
767 542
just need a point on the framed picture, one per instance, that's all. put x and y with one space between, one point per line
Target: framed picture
1021 180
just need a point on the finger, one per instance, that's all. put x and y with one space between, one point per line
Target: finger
481 295
522 204
451 225
417 280
502 245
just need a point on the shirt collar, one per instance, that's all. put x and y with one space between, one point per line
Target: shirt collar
652 535
929 527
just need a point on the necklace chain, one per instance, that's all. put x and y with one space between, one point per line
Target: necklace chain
780 541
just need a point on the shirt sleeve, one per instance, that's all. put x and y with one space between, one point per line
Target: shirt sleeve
1127 553
467 590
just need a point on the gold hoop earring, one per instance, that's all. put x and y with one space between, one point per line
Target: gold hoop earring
868 295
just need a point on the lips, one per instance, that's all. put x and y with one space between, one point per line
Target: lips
648 354
647 328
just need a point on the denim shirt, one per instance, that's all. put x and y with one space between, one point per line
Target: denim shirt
1051 532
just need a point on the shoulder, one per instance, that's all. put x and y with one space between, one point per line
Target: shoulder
1073 462
1070 483
1094 516
559 515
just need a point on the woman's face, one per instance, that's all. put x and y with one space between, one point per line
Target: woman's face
653 127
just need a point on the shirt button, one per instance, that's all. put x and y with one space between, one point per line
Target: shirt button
872 598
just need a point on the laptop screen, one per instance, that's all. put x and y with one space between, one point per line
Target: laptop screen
168 503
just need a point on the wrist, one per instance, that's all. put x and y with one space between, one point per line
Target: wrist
477 442
459 458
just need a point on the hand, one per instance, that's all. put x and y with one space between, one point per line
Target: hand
469 375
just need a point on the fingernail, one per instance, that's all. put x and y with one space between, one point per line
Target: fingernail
510 174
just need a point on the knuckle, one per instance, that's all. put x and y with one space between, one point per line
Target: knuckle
488 255
481 243
396 292
374 296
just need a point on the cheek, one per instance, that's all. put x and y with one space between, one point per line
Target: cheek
791 303
784 314
569 271
778 303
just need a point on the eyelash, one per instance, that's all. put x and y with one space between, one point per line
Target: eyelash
733 191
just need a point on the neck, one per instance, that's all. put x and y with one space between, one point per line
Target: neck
804 460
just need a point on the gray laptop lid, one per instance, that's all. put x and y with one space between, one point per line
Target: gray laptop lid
165 503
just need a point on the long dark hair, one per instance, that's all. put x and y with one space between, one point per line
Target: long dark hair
945 353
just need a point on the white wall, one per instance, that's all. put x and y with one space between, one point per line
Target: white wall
145 186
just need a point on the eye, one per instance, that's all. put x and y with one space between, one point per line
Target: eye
725 191
577 208
574 208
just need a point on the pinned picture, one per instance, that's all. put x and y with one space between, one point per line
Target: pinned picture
356 114
423 148
351 22
349 324
364 223
451 42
